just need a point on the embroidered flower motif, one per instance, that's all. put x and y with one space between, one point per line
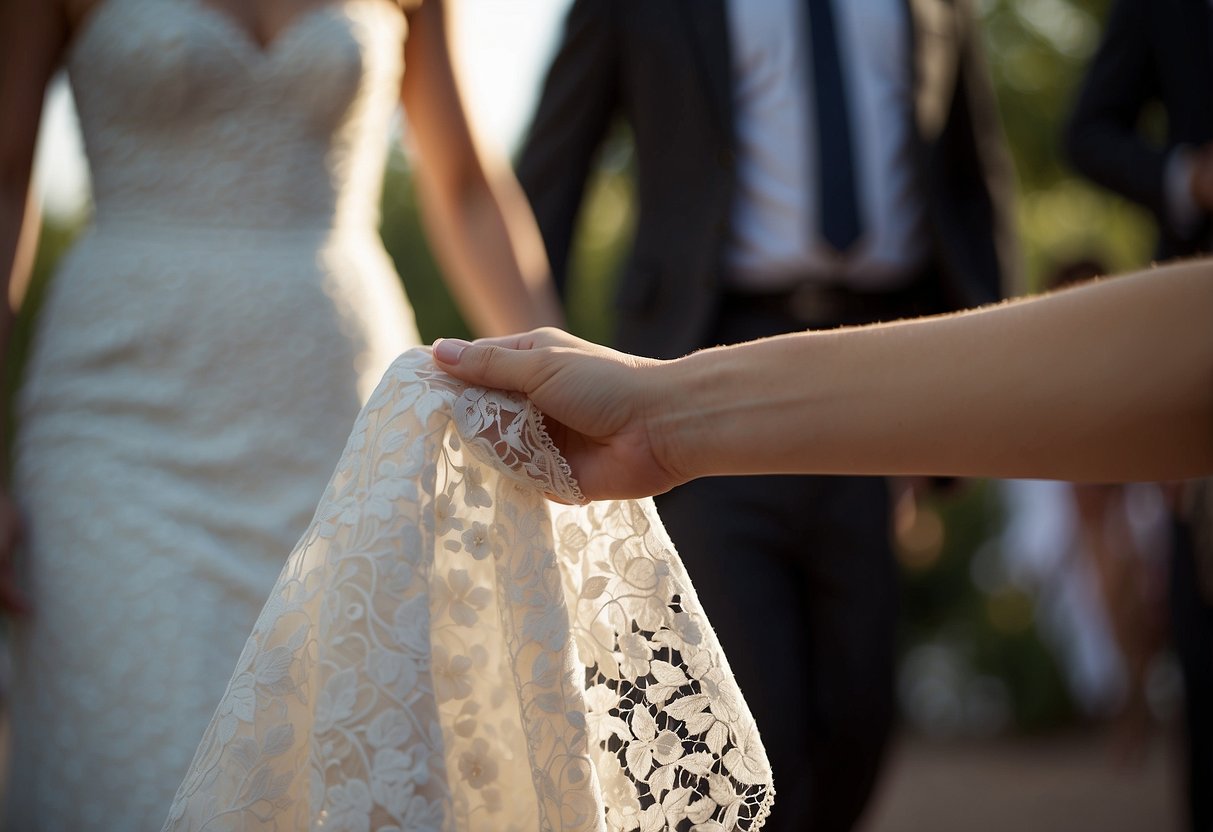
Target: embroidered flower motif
746 760
722 792
619 795
348 808
335 702
477 765
636 653
474 492
600 722
665 746
481 410
446 517
241 698
459 598
411 625
478 541
395 775
452 679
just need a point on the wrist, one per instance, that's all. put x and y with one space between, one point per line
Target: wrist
688 408
670 418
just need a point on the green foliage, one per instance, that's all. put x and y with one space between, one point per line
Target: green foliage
1038 51
958 598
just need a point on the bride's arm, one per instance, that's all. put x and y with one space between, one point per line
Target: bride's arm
1111 381
476 216
33 34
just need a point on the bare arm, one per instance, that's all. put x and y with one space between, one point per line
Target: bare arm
477 218
32 37
33 34
1107 382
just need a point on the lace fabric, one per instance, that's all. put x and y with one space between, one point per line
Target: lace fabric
446 649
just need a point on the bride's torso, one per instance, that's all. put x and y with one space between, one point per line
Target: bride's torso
231 304
188 121
236 191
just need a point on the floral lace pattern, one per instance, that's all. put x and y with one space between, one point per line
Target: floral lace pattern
447 650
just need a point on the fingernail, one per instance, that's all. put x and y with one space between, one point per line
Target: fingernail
449 350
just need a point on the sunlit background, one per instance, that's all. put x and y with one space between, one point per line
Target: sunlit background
1007 675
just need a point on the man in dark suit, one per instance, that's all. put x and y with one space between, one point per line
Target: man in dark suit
800 163
1159 53
1153 53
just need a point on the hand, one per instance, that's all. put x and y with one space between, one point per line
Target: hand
12 600
598 404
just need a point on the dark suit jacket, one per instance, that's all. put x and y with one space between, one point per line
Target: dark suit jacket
1153 52
664 66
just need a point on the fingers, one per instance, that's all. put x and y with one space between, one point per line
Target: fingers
504 367
504 362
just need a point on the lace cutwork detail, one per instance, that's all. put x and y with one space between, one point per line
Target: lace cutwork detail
447 650
502 429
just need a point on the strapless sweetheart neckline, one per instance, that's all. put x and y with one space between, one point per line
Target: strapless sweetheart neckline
224 24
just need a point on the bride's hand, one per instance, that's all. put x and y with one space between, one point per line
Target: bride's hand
598 404
12 599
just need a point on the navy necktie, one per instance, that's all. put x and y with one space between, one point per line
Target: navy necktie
838 204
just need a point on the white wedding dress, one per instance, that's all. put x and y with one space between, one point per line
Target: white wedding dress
201 356
446 649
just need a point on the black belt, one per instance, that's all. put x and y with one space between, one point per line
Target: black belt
831 305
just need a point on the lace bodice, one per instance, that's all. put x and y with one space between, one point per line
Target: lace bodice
187 120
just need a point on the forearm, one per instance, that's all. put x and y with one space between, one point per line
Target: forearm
493 258
1079 385
20 224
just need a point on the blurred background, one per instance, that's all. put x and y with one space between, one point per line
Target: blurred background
1015 690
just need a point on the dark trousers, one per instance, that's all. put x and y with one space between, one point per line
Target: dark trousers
798 579
1192 629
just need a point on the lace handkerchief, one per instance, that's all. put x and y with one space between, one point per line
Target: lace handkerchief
446 649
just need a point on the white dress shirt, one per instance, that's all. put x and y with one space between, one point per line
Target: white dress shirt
774 242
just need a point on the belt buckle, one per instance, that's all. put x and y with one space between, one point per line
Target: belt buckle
811 303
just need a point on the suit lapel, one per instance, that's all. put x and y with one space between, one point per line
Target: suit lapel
707 25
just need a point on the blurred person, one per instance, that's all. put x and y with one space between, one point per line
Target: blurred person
206 345
1190 597
1094 557
1159 56
1123 533
800 163
1153 53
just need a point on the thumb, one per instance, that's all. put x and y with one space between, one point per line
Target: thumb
487 365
